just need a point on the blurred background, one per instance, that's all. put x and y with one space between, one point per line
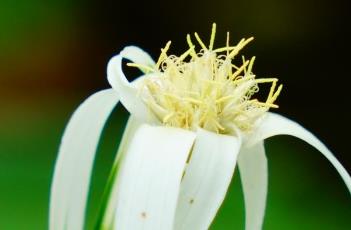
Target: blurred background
53 54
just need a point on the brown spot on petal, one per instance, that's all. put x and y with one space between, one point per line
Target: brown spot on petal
143 215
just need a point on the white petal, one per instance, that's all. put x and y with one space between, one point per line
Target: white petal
75 161
149 178
254 178
128 92
206 179
274 124
109 213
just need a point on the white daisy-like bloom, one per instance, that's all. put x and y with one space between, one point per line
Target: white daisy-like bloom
193 117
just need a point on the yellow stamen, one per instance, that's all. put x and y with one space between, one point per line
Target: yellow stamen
249 69
143 68
243 60
200 41
224 49
167 117
184 55
265 80
240 45
271 91
227 43
276 94
163 55
222 99
192 100
188 39
219 126
213 34
264 104
239 70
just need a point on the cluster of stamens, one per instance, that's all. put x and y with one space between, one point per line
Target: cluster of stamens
206 89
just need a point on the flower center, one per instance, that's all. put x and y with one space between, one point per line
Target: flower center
206 89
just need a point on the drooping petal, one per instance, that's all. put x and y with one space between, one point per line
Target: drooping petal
108 208
75 161
127 91
274 124
254 178
206 179
149 178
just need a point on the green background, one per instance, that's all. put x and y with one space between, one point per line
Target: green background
53 54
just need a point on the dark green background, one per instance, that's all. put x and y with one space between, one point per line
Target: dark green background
53 54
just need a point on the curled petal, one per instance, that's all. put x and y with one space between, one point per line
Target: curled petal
137 55
206 180
274 124
149 178
127 91
252 163
74 164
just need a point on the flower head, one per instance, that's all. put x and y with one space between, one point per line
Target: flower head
206 89
193 117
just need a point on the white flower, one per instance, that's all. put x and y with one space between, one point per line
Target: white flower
190 122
